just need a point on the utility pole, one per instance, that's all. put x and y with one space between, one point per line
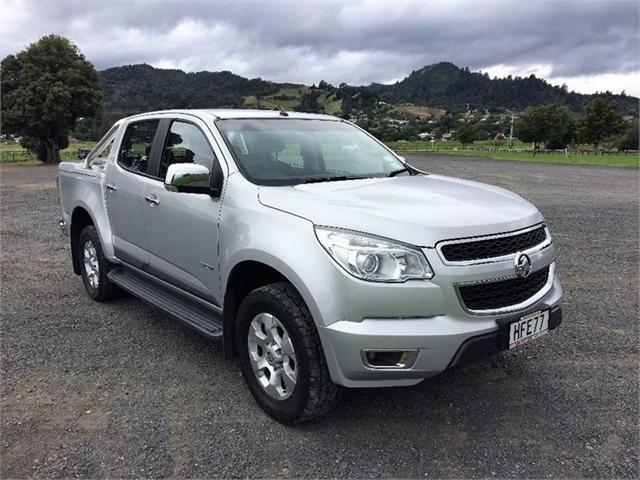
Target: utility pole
511 131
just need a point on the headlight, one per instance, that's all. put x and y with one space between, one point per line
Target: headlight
371 258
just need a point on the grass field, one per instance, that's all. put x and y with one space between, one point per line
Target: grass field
13 152
290 98
420 111
425 145
480 149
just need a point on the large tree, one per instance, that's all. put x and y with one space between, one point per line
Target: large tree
600 121
45 89
552 125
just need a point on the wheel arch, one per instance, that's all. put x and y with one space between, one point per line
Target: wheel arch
245 276
80 218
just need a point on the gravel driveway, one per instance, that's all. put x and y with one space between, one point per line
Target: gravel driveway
121 390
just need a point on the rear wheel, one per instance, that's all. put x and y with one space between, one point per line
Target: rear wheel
281 356
94 266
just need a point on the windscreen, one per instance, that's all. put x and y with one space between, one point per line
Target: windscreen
293 151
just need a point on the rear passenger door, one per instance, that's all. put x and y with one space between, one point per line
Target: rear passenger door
125 180
183 227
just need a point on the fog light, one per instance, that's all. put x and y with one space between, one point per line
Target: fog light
389 359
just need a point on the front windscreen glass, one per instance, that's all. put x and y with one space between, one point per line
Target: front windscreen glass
293 151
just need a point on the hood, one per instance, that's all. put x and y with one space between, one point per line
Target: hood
420 210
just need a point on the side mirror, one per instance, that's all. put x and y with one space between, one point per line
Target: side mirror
188 178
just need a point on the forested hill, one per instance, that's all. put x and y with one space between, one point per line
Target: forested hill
135 88
143 88
447 86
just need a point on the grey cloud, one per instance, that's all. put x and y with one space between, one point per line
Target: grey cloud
357 42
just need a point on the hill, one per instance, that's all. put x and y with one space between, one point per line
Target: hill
136 88
444 86
448 86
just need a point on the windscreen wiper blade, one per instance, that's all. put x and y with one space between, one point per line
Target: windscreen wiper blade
327 179
400 170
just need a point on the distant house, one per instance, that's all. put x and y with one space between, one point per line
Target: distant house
427 136
447 136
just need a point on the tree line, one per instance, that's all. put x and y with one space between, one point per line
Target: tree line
555 127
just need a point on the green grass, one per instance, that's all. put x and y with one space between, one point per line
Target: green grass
330 103
270 103
450 145
14 153
480 150
420 111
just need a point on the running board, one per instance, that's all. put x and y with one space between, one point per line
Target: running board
203 317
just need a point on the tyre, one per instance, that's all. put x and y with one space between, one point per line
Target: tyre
94 266
281 356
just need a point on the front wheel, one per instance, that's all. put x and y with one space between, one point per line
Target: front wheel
281 356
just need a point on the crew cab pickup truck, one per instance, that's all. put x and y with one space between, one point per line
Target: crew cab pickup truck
320 257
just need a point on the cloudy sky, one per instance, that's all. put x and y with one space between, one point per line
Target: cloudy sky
591 45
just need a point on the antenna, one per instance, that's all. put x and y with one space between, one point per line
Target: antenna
282 112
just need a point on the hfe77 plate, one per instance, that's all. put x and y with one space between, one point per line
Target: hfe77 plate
528 328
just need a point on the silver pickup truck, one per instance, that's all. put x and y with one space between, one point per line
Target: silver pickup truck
319 256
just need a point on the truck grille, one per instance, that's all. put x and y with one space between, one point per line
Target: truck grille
503 293
493 247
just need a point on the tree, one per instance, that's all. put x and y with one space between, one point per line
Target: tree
553 125
309 102
599 122
45 89
630 139
465 133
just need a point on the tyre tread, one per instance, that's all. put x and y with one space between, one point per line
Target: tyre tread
106 289
323 393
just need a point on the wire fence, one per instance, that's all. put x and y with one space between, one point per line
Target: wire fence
26 156
566 152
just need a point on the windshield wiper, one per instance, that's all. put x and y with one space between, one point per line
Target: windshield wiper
327 179
400 170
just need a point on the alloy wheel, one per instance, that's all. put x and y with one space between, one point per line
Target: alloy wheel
91 265
272 356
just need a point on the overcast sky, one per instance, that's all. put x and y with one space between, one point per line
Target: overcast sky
589 45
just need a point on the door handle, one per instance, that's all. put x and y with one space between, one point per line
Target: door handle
152 200
111 187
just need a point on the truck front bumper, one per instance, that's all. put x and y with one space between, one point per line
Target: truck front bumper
440 342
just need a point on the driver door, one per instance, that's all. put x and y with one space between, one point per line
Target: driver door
182 228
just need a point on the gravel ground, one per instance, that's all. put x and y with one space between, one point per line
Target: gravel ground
120 390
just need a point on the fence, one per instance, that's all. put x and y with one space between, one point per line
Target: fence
578 151
25 156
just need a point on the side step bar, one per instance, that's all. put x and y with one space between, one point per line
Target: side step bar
203 317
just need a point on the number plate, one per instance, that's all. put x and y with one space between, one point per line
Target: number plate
528 328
